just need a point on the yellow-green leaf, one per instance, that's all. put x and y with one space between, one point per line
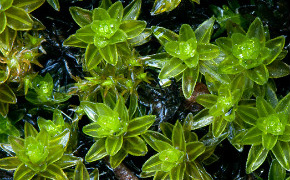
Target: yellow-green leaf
18 19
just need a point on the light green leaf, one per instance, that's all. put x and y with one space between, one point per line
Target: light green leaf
116 11
133 27
189 79
118 158
166 129
5 4
162 146
160 175
113 144
97 151
7 95
219 125
194 149
207 68
276 171
207 51
53 172
28 5
204 31
81 16
201 119
55 153
54 4
206 100
186 33
164 35
86 34
10 163
161 6
283 104
286 135
153 164
121 109
105 4
259 75
18 19
264 108
276 46
29 130
152 136
92 130
67 160
16 143
132 11
178 139
3 21
91 110
172 68
282 153
100 14
81 172
278 69
269 140
142 38
248 114
61 138
225 43
119 36
256 157
92 56
252 137
133 104
110 54
74 42
177 172
23 173
135 146
139 125
256 30
230 65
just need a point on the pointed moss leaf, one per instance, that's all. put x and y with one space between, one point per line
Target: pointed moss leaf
86 34
206 67
256 30
218 126
282 153
139 125
10 163
81 16
178 139
29 5
207 51
135 146
92 56
133 27
29 130
252 137
172 68
110 54
232 28
81 172
206 100
283 104
152 164
18 19
196 171
100 14
54 172
186 33
172 48
7 95
269 140
263 107
97 151
230 65
61 138
194 149
276 46
119 36
189 79
225 44
161 6
286 135
133 104
204 31
164 35
91 110
132 11
160 175
166 129
74 42
152 136
3 21
116 11
23 173
276 171
278 69
256 157
92 130
201 119
121 109
178 171
68 160
259 75
113 144
142 38
248 114
54 4
5 4
55 153
116 160
162 146
105 4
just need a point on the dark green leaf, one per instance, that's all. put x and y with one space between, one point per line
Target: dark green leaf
186 33
259 75
54 4
201 119
178 171
139 125
204 31
172 68
166 129
178 139
3 21
97 151
206 100
132 11
248 114
219 125
74 42
133 27
81 172
256 157
53 172
28 5
121 109
110 54
164 35
207 51
67 160
135 146
116 11
23 173
118 158
7 95
5 4
269 140
18 19
225 43
276 171
29 130
264 108
282 153
256 30
194 149
81 16
152 136
189 79
276 46
278 69
113 144
153 164
55 153
10 163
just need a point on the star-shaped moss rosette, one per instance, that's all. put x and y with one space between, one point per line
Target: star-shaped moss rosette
106 31
188 50
38 155
270 131
253 54
116 134
178 157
